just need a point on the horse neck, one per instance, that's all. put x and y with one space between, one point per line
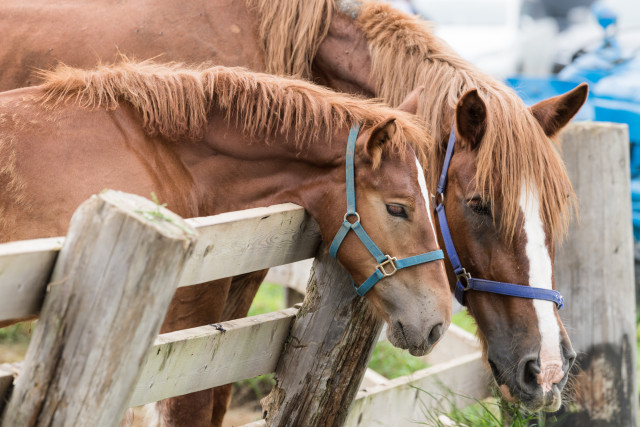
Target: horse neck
234 171
342 61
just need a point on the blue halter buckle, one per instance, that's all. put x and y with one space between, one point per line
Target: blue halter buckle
464 281
387 265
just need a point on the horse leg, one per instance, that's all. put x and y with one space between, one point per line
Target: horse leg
191 306
241 294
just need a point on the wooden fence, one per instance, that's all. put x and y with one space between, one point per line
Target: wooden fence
175 363
85 345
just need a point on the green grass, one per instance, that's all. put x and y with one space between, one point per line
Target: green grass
18 333
491 412
464 321
270 297
392 362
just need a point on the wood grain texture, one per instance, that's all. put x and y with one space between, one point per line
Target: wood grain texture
109 291
594 272
326 355
229 244
25 268
208 356
254 239
399 402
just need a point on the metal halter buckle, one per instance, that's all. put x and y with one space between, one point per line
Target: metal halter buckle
390 260
438 195
463 278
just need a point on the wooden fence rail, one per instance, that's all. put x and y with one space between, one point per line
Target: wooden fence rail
229 244
194 359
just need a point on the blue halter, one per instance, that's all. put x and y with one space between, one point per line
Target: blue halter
465 281
387 265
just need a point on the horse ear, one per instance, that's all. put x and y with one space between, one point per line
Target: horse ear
554 113
471 117
381 133
410 103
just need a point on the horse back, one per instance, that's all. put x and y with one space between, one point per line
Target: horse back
40 34
52 158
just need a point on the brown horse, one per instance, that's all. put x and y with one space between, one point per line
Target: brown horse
505 172
220 139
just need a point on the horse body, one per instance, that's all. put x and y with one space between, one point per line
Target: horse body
368 48
217 140
86 33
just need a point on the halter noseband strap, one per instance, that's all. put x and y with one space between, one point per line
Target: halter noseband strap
387 265
465 281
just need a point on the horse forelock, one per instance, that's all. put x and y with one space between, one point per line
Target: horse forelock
514 148
175 101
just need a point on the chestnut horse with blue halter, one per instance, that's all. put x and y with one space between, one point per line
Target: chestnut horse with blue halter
507 198
220 139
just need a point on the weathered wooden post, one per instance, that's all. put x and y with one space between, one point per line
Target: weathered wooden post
327 352
110 289
594 272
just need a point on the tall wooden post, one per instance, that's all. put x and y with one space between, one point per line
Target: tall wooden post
110 289
327 352
594 272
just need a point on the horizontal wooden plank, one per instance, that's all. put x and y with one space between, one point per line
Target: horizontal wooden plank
199 358
244 241
410 396
229 244
195 359
25 268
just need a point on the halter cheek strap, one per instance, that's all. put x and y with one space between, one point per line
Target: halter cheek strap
387 265
465 282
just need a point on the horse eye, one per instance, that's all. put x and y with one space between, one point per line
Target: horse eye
478 207
397 210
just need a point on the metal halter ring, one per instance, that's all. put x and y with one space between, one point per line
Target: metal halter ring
347 215
463 278
390 260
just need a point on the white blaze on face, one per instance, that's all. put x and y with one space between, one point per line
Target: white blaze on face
540 271
425 194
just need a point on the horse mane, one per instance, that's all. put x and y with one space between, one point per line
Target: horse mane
514 148
405 54
291 32
175 101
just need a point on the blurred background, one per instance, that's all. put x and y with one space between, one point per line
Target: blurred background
543 48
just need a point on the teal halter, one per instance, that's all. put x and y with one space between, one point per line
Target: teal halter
387 265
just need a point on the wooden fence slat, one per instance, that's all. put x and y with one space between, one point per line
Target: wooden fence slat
241 242
110 289
325 358
208 356
25 268
594 272
399 402
194 359
229 244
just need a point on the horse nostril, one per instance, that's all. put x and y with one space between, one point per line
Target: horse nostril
435 334
528 372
